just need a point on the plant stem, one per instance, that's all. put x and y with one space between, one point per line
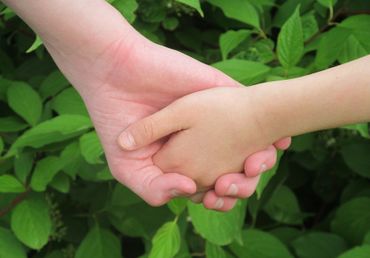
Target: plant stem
15 202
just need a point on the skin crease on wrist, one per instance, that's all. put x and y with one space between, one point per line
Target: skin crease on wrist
98 51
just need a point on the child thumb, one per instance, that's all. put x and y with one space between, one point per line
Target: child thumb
150 129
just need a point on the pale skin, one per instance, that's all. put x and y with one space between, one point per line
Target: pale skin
214 129
122 78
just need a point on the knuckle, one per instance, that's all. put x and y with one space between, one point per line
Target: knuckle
246 192
147 129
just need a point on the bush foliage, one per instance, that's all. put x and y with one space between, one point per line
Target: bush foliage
58 199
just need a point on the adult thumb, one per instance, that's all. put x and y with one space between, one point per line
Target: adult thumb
151 129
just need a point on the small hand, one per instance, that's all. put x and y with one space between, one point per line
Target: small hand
212 133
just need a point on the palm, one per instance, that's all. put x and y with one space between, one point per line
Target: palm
132 88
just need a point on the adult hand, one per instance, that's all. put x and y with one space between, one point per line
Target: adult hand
138 84
122 77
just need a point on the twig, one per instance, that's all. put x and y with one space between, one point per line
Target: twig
325 27
15 202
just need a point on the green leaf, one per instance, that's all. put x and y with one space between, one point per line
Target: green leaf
9 245
170 23
357 252
44 172
286 234
166 241
266 176
91 148
283 207
358 23
240 10
134 220
231 39
1 145
309 26
35 45
53 84
72 159
346 42
30 221
352 49
9 184
290 46
4 85
61 183
319 245
56 254
331 44
362 129
193 3
99 243
356 156
127 8
11 124
123 197
367 239
246 72
217 227
351 220
260 244
302 142
357 44
25 101
23 165
214 251
327 3
69 102
287 8
54 130
177 205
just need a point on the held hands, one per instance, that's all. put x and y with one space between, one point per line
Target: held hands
122 78
212 132
130 82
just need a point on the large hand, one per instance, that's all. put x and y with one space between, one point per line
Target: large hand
138 84
122 78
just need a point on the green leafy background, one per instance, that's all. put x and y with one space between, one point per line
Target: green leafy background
58 199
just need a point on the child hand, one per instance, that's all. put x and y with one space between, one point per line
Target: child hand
212 133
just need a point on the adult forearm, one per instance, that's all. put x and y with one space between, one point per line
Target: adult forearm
68 24
327 99
81 36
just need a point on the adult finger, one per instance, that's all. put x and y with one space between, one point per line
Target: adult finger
236 185
260 162
214 202
197 197
154 187
283 144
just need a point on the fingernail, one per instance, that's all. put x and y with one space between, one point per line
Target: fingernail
263 168
178 193
175 193
197 198
126 140
219 203
233 190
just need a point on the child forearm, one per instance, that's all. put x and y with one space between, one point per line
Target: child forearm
327 99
